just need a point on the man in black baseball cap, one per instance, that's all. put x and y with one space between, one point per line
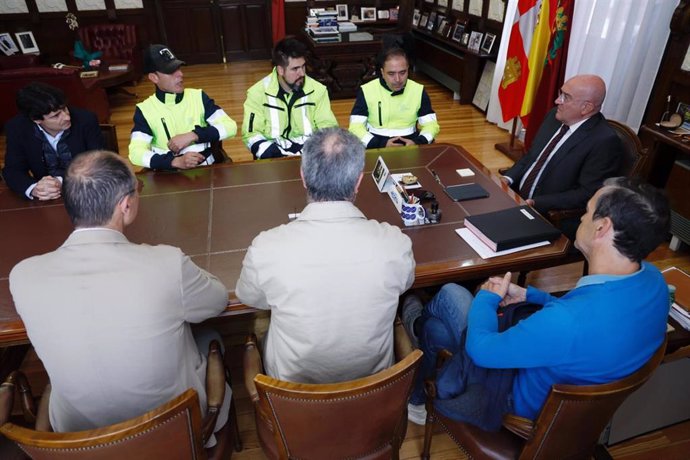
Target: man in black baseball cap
174 128
159 58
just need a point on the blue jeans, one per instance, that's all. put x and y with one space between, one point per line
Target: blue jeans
440 327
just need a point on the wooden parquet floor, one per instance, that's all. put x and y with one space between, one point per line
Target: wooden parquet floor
460 124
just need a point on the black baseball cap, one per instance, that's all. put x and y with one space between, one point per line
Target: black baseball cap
159 58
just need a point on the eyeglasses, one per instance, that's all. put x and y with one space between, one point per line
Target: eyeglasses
565 97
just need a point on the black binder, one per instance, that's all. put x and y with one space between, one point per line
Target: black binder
464 192
511 228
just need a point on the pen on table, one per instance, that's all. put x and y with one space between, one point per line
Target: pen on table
438 179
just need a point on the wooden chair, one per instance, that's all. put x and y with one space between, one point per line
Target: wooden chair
109 137
633 165
116 41
363 418
568 426
174 430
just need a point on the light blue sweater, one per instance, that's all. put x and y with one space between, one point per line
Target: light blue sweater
604 329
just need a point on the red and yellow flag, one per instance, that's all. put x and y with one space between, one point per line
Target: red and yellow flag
553 74
527 49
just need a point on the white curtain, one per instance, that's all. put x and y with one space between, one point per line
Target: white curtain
620 40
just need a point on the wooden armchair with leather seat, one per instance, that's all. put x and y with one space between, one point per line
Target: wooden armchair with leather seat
363 418
116 41
632 165
568 426
175 430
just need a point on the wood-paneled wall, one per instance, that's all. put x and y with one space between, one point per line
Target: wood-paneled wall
55 40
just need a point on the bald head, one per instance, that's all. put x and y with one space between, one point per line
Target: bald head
581 97
94 184
332 164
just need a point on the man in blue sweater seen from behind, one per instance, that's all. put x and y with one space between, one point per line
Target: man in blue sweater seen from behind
603 330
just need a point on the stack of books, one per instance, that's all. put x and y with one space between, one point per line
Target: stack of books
323 28
680 314
325 35
347 26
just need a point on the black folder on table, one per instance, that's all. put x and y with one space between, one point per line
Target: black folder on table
511 228
464 192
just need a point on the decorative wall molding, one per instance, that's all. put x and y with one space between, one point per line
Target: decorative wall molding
90 5
128 4
51 6
13 7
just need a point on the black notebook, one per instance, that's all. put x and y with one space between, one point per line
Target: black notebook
466 192
511 228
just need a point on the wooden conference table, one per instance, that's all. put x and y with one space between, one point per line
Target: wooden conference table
214 213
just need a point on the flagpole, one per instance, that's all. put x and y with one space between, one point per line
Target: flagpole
513 150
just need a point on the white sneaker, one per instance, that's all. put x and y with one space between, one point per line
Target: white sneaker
416 413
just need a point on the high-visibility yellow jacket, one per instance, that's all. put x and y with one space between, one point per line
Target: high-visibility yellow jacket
380 114
165 115
277 123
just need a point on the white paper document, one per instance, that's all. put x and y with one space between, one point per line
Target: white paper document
486 252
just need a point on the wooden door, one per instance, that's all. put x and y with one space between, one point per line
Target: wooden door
246 29
206 31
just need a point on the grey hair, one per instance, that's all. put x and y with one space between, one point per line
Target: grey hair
94 184
332 160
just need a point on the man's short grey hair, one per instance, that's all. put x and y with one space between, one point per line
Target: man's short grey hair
94 184
332 160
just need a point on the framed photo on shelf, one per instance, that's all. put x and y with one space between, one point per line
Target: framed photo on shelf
368 13
465 39
442 27
393 14
416 16
432 22
488 43
439 20
382 14
27 42
343 14
423 20
457 33
7 44
475 41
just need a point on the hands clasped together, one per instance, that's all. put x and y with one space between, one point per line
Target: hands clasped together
510 293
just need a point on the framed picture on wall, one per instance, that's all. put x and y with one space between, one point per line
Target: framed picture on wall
343 14
7 44
368 13
488 43
27 42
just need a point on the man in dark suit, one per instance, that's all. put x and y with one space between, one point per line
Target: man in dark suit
573 152
42 140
